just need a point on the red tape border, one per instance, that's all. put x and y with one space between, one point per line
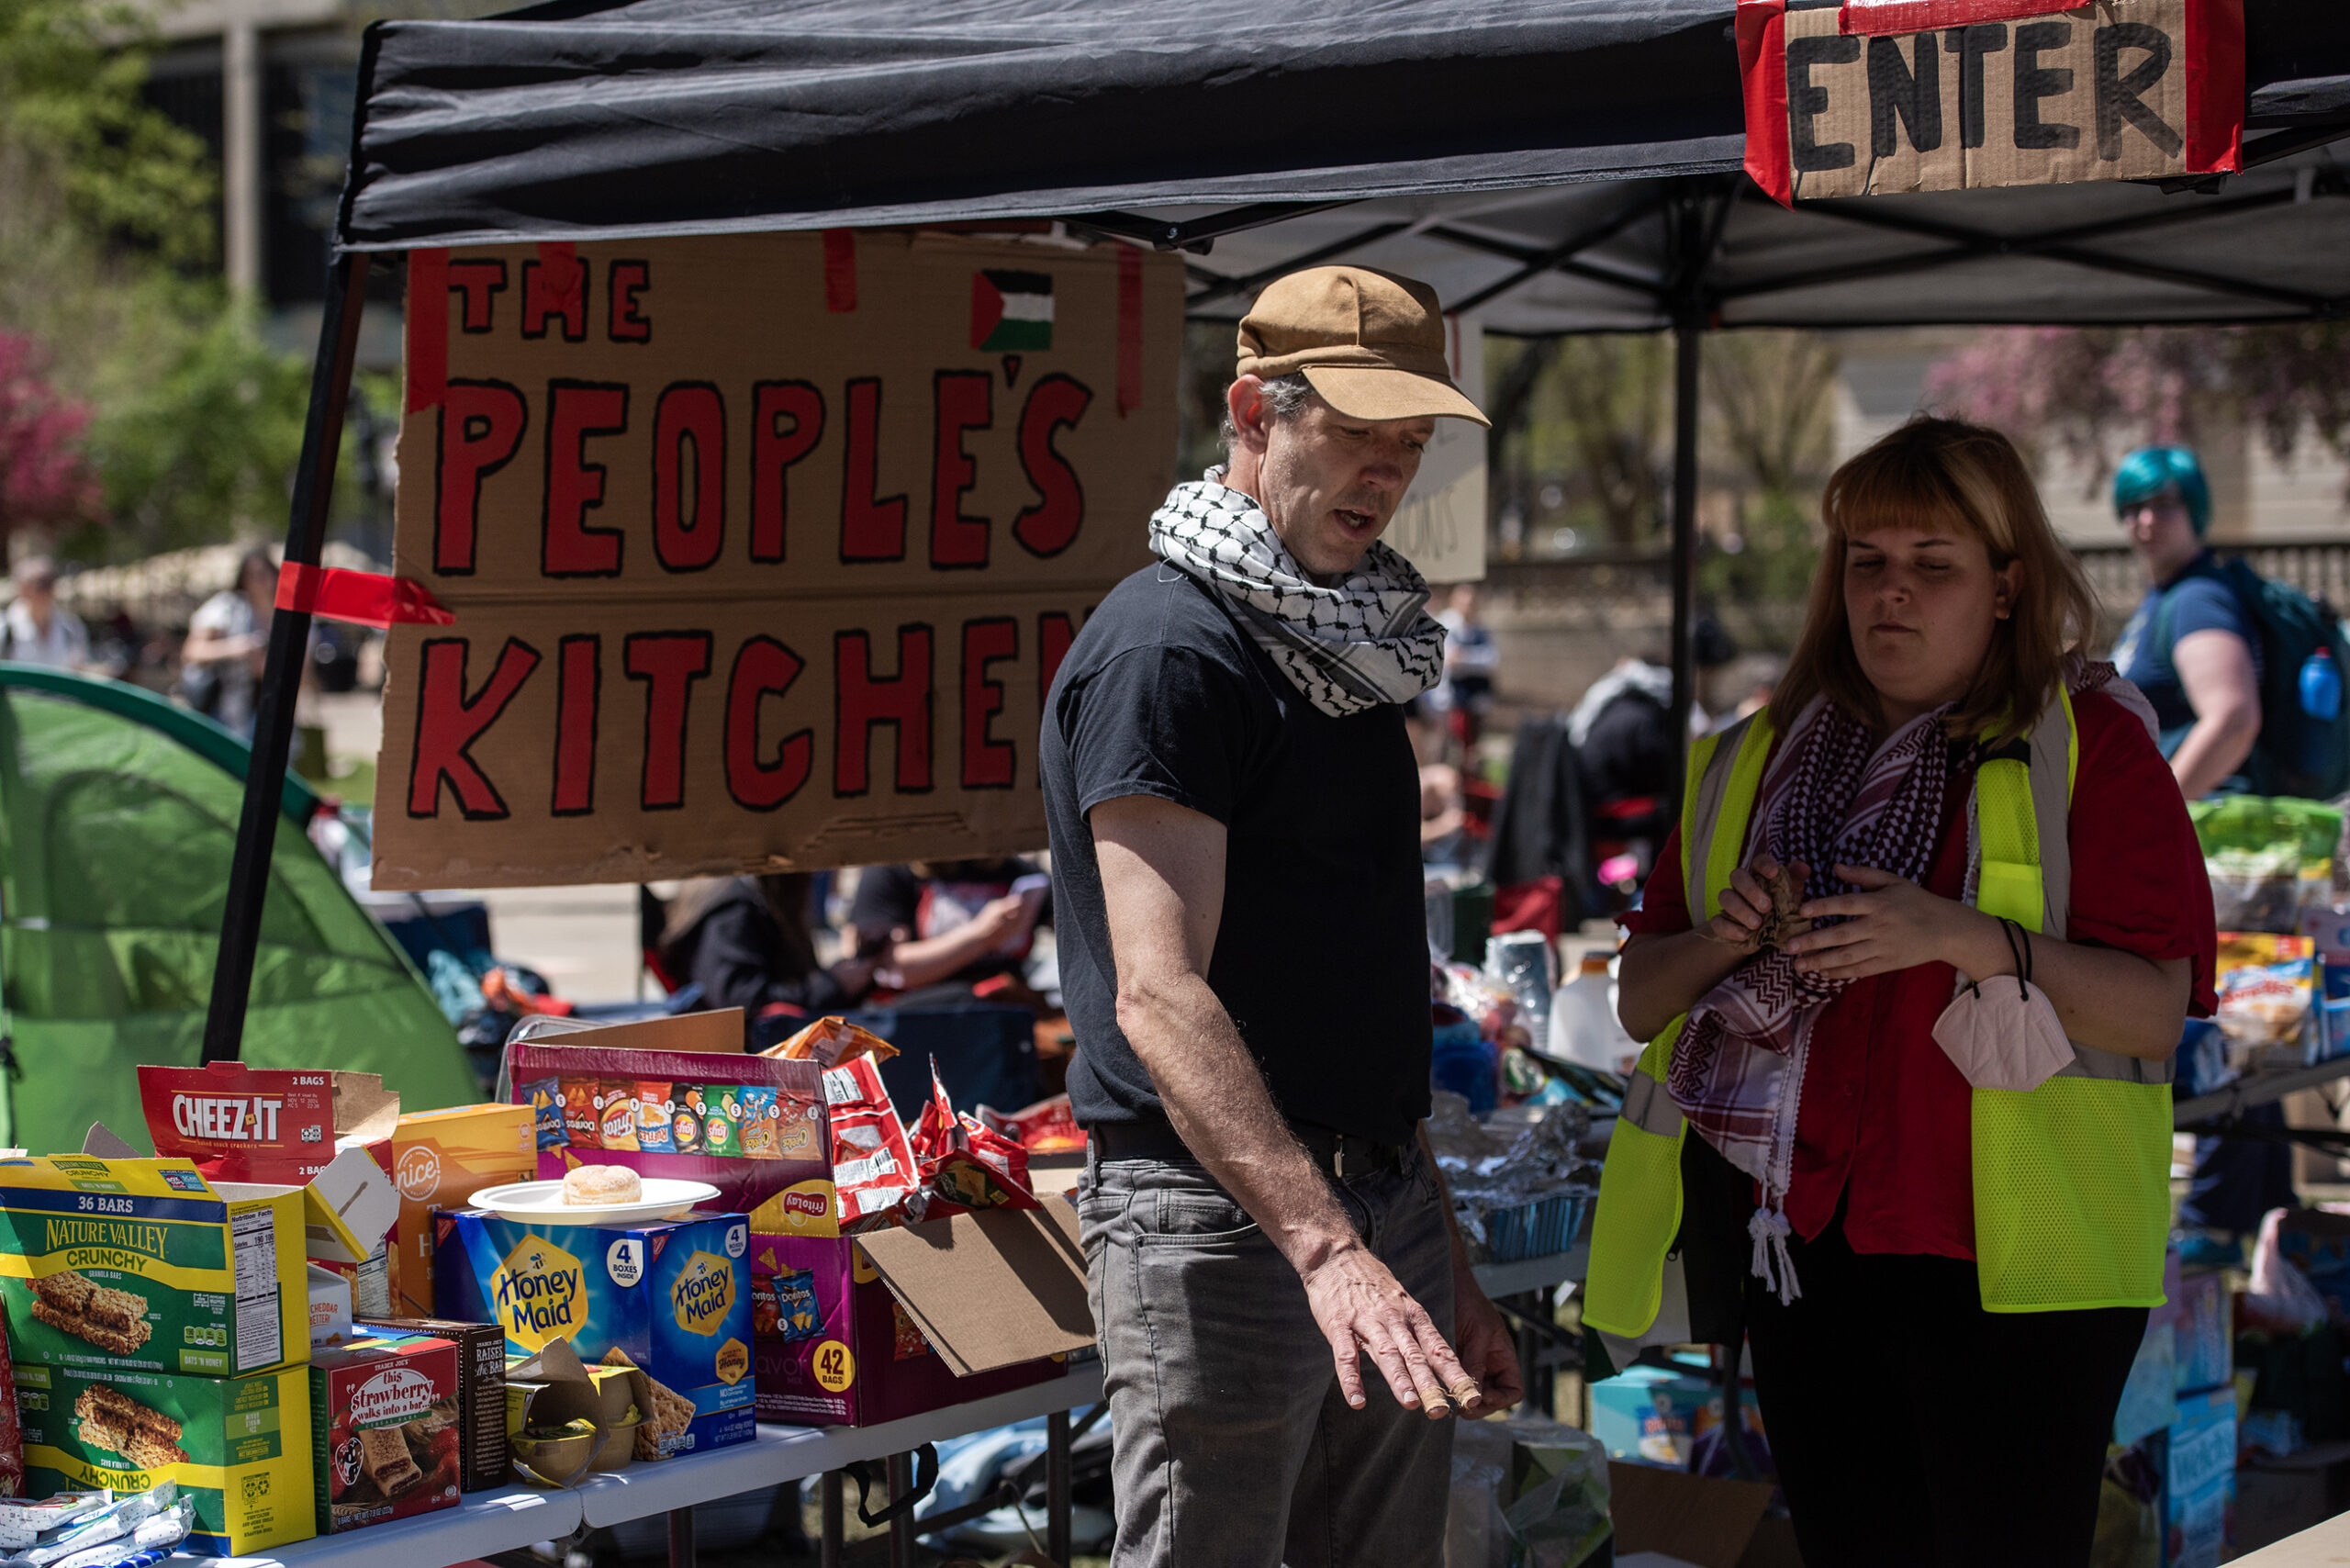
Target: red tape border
365 599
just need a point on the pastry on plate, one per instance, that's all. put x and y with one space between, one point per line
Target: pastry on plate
601 1185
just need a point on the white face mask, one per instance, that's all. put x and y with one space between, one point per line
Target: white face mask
2003 1033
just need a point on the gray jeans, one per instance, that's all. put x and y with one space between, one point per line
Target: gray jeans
1234 1446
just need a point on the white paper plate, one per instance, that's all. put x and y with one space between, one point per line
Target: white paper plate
541 1203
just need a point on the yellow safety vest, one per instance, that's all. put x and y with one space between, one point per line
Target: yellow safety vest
2072 1193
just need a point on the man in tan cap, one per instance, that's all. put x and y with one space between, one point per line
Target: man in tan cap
1235 812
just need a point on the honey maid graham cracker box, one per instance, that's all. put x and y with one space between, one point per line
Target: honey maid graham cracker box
143 1265
673 1299
239 1446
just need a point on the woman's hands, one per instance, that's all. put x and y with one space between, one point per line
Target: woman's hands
1892 923
1748 906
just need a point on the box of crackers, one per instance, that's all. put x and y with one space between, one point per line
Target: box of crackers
239 1446
673 1299
386 1429
144 1265
441 1159
481 1392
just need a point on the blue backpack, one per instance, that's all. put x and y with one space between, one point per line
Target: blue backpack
2298 754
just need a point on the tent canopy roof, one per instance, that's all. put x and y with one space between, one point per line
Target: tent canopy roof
1561 158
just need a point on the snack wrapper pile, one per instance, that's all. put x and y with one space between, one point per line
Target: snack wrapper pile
966 1164
873 1168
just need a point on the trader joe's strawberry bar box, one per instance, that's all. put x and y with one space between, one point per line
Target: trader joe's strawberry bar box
672 1299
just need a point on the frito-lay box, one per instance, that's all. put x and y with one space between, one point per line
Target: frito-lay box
142 1264
481 1391
239 1446
674 1299
853 1331
386 1429
441 1159
677 1097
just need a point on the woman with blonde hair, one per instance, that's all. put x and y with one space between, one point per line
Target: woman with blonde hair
1912 967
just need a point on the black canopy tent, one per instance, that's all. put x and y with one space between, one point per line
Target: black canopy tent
1563 166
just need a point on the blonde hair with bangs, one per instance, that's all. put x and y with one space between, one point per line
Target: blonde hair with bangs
1938 474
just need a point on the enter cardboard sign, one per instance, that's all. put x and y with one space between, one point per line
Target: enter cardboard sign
1987 93
762 549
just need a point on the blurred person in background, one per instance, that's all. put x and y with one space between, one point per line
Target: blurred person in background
1471 657
2191 646
747 942
1626 759
38 630
228 640
952 929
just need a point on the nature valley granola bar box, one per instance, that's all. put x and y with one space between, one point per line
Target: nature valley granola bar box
239 1446
142 1264
672 1299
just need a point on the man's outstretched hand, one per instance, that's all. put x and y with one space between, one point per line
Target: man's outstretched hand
1362 1308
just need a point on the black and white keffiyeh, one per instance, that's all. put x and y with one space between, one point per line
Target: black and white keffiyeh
1368 641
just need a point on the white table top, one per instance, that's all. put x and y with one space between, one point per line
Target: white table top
1534 1273
513 1516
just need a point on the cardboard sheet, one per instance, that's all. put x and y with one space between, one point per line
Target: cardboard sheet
1702 1520
2028 95
990 1289
761 548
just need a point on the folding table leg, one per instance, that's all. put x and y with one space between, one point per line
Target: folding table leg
901 1529
1056 1474
835 1526
681 1536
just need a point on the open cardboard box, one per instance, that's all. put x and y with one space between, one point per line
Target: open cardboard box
548 1391
852 1331
347 1206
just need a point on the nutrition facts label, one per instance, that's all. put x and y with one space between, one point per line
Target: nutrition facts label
253 1237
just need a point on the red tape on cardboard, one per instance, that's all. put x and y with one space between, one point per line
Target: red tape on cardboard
1868 16
365 599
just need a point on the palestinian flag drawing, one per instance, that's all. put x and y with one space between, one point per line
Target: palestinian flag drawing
1011 312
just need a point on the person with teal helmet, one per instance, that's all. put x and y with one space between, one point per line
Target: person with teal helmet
2194 650
2191 646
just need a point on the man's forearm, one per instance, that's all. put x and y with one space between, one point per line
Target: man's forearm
1216 1096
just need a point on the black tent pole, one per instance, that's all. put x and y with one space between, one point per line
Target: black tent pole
1688 329
281 681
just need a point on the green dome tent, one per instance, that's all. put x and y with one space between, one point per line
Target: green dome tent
118 820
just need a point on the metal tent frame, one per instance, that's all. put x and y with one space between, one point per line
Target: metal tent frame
1560 241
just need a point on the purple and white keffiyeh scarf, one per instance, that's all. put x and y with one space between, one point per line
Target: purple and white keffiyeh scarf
1834 795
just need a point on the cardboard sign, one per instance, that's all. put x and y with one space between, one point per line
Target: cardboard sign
1987 93
762 549
1440 527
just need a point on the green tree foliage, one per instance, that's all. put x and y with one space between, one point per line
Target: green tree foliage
107 249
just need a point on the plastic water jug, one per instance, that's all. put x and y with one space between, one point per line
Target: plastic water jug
1582 1021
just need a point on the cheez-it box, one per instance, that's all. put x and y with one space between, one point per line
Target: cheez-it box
441 1158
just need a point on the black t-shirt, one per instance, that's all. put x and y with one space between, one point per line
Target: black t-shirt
1322 956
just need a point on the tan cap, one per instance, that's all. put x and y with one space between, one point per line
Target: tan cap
1370 342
